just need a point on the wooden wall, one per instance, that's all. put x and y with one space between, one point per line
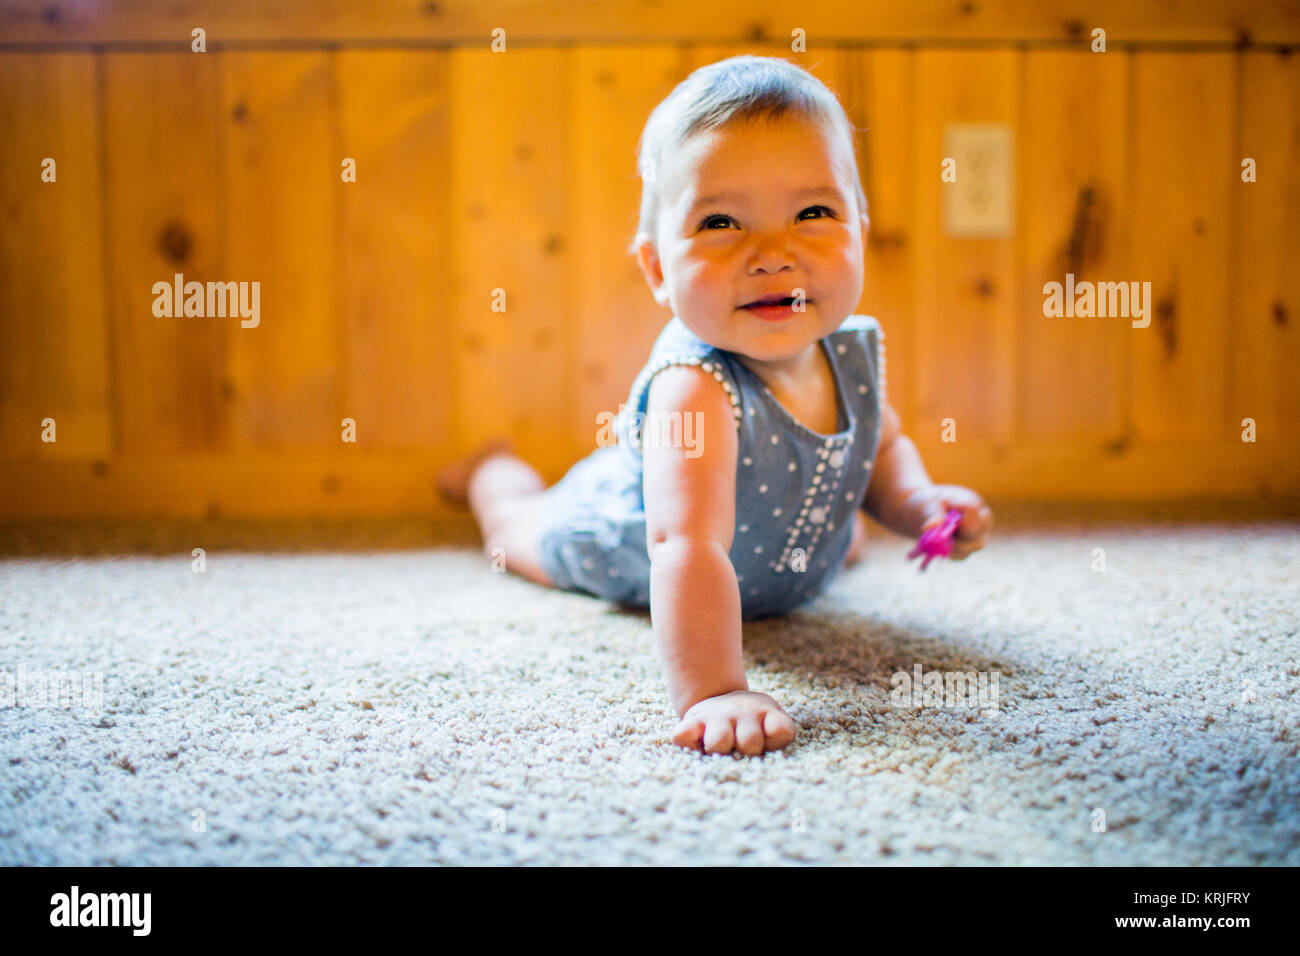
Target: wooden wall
479 171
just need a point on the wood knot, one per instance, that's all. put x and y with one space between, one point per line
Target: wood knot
1085 237
755 33
99 469
175 242
1073 29
553 245
542 338
524 151
239 112
214 511
430 9
1244 40
968 9
1167 325
227 390
984 288
51 14
1198 225
887 241
331 484
1279 312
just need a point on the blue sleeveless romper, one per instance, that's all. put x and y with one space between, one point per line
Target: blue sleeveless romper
796 489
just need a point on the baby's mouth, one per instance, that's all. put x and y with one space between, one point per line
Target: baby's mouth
773 300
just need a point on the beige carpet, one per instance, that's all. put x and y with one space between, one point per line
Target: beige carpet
395 701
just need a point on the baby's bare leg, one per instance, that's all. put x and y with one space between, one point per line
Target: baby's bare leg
858 543
506 496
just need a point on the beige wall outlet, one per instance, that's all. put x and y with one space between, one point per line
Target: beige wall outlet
978 180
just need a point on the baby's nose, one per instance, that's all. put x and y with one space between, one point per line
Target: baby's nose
772 261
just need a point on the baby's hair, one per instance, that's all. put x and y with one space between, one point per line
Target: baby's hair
740 87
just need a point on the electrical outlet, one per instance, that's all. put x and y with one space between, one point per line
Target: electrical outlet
980 203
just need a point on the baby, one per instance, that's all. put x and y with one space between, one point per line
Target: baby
759 427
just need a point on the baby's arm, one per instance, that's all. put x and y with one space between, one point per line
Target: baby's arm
690 506
897 477
903 499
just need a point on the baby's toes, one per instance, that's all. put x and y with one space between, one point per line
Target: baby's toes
749 735
453 482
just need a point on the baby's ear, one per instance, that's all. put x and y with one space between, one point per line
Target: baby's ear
647 257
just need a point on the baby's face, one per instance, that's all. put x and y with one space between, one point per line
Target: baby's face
755 209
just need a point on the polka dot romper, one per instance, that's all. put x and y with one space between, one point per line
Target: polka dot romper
796 489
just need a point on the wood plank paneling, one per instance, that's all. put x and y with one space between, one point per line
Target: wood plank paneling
966 291
465 21
382 483
1075 471
398 370
1264 343
1072 202
163 165
54 337
517 171
1183 177
226 485
513 232
882 107
615 319
281 163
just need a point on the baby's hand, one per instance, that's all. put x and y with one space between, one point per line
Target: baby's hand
744 720
976 517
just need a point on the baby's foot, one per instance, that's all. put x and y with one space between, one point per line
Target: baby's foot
453 480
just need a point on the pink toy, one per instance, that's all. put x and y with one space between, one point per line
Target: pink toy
936 542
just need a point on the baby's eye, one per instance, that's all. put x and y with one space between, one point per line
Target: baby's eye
705 222
825 209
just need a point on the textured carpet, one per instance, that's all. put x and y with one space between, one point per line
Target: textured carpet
395 701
